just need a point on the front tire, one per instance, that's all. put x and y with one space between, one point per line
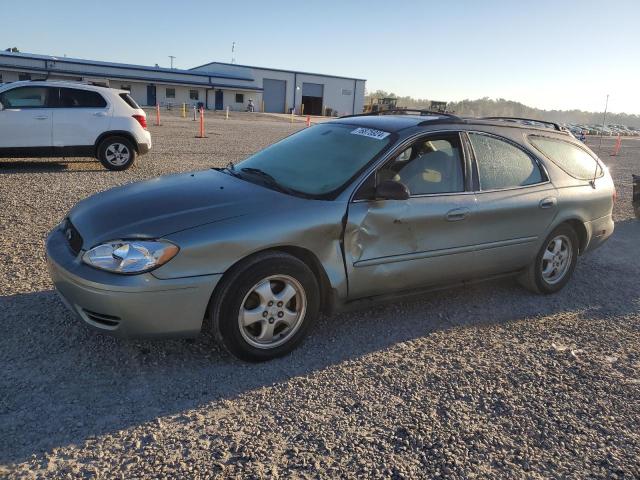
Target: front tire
116 153
553 266
265 307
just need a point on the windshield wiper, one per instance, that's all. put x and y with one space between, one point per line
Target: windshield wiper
230 169
269 180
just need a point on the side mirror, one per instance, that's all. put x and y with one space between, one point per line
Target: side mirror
392 190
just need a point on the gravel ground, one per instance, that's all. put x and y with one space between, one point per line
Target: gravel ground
485 381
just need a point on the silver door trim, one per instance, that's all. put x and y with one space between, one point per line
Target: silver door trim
443 252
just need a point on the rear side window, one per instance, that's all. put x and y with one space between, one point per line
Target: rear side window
75 98
503 165
25 97
574 160
129 100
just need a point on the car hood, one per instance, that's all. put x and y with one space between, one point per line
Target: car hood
169 204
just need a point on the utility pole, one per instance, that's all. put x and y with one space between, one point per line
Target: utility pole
604 122
172 57
233 49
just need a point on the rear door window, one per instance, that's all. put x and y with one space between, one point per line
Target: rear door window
76 98
503 165
25 97
574 160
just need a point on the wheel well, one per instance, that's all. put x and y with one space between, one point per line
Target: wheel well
302 254
581 232
116 133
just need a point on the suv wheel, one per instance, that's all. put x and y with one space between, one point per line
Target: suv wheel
265 308
116 153
555 262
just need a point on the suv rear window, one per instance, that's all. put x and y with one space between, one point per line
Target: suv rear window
574 160
129 100
76 98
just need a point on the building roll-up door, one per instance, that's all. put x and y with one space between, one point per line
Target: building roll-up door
312 94
274 95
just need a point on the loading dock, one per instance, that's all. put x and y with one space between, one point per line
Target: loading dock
274 95
312 94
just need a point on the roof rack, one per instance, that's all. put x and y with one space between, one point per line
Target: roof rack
404 111
555 126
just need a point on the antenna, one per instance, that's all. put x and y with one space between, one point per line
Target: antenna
172 57
604 123
233 49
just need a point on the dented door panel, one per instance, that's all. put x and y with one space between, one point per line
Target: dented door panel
396 245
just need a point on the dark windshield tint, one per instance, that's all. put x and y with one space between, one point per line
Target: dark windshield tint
321 159
76 98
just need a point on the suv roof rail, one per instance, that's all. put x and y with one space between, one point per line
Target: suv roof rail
554 125
404 111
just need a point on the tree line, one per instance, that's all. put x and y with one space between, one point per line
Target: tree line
500 107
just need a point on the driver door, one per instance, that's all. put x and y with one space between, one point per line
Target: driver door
395 245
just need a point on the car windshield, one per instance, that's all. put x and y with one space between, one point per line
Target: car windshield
318 160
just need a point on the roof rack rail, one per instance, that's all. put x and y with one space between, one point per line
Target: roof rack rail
554 125
404 111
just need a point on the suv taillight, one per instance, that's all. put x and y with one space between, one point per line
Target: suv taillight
142 120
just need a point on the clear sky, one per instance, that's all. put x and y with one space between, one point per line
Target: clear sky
546 54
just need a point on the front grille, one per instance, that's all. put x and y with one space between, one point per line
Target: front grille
102 318
74 239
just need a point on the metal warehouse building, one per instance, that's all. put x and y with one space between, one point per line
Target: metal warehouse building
216 85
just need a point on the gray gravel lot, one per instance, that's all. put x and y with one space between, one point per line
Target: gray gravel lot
486 381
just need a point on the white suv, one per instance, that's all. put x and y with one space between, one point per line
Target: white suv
69 119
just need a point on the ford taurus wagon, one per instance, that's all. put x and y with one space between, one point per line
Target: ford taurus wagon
356 209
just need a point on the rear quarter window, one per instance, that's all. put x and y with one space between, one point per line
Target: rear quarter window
574 160
129 100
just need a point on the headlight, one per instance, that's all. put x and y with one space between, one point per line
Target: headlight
130 256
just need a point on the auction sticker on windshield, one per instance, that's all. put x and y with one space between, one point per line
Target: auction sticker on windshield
370 132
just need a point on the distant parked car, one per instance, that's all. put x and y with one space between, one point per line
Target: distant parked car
359 208
70 119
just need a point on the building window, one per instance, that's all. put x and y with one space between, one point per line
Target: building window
126 87
239 97
193 95
24 76
171 93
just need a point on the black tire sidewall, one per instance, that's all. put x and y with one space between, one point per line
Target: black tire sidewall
542 285
226 324
102 148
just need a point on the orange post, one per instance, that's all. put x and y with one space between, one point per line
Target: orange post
201 123
616 149
308 120
157 114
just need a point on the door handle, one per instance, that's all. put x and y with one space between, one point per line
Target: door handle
548 202
457 214
99 114
42 117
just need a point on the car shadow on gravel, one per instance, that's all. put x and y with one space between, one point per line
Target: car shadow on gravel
35 166
62 383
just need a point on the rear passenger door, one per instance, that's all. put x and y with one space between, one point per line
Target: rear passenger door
515 204
80 117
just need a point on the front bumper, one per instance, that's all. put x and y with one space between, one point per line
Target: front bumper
128 305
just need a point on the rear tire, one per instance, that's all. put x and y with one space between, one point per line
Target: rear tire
265 307
554 264
116 153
